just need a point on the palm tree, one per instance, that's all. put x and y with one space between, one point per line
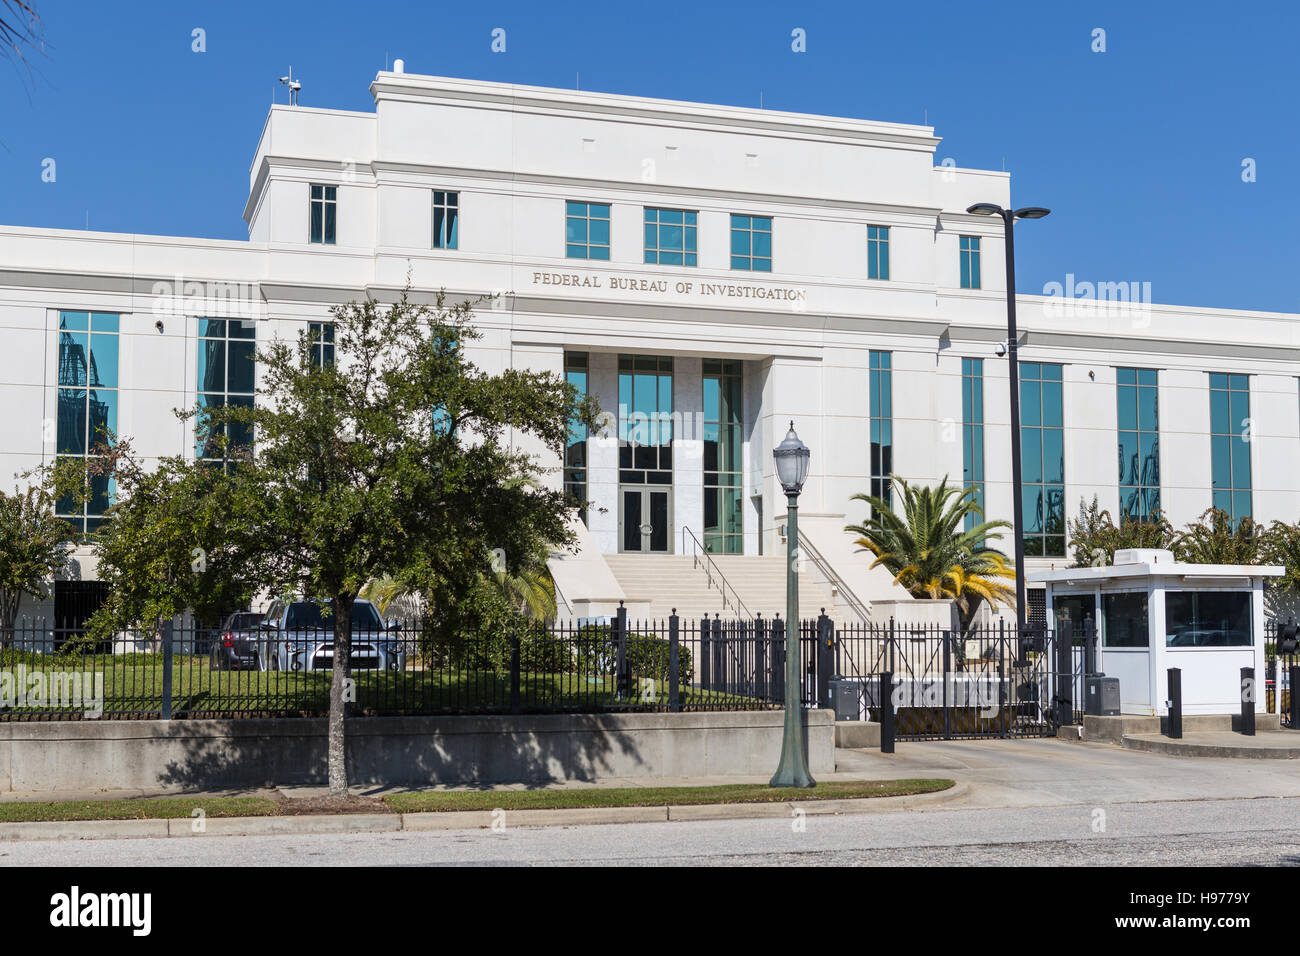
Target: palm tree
930 553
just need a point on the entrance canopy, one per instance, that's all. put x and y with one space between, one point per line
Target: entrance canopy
1153 613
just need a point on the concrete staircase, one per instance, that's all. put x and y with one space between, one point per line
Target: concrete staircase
668 581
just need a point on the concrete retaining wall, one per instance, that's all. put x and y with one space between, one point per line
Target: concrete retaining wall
399 751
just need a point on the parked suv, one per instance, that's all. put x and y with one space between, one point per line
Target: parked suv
234 647
298 635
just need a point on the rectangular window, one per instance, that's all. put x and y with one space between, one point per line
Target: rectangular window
1042 455
670 237
970 262
446 219
1137 398
324 214
575 449
972 431
645 419
321 336
877 252
882 426
226 362
724 531
751 243
1124 619
1208 619
87 408
1230 443
586 230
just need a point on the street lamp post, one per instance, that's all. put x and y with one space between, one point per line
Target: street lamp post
791 469
1009 218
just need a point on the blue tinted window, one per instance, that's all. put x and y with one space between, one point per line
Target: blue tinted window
86 408
226 367
1230 443
586 230
751 243
1137 401
446 219
972 432
1042 450
881 431
877 252
670 237
323 215
970 261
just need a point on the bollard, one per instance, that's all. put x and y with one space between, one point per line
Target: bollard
887 713
1174 728
825 658
1248 701
622 672
1295 698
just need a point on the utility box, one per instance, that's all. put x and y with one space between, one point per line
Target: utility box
846 699
1102 695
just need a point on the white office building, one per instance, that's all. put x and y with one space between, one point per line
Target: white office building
711 274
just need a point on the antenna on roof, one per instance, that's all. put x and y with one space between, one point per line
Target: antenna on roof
577 80
760 99
294 87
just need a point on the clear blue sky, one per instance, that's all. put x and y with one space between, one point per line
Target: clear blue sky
1137 150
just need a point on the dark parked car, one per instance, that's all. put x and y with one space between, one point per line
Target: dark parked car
234 648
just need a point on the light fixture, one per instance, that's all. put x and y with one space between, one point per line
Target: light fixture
791 462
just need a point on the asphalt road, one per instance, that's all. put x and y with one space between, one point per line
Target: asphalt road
1031 802
1222 832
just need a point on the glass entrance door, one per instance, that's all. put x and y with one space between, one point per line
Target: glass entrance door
645 520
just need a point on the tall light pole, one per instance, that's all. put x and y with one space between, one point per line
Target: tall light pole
791 469
1008 225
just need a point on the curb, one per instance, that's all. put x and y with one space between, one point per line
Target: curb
182 827
1174 748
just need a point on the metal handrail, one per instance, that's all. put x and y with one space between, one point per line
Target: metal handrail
853 601
710 569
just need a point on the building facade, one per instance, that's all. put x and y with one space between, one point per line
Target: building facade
710 274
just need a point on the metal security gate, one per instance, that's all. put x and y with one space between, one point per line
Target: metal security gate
984 682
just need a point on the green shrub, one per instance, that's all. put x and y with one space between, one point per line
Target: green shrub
647 654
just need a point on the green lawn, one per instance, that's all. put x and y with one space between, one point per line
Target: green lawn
145 808
133 684
451 800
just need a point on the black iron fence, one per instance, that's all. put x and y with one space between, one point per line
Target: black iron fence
986 681
577 667
1282 671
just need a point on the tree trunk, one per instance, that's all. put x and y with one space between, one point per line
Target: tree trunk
340 694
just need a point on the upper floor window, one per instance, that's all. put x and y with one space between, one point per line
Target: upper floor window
670 237
1230 443
586 230
972 432
575 448
321 335
87 408
881 411
324 214
446 219
226 356
970 262
1139 442
751 243
877 252
1042 453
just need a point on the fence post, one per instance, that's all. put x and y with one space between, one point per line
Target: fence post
778 658
1248 701
825 658
947 684
167 669
1064 676
674 668
514 672
1002 677
887 713
1175 722
622 673
705 663
1295 698
761 682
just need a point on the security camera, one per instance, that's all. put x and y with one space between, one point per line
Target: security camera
1001 349
158 325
